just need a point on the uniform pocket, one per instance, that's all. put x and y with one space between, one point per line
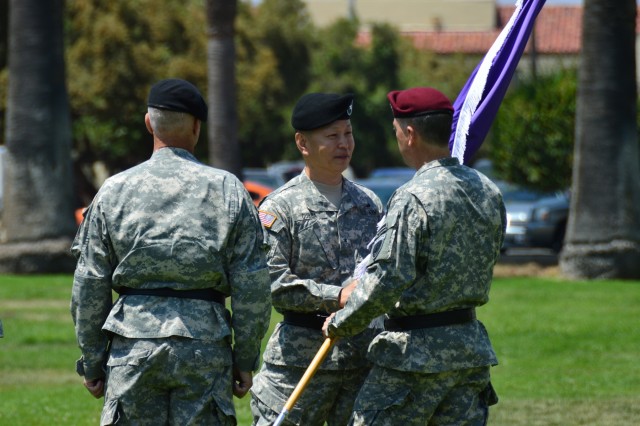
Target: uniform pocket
328 241
110 413
383 400
377 404
275 400
127 357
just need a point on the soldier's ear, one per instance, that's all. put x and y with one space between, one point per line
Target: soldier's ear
196 126
411 136
147 122
301 142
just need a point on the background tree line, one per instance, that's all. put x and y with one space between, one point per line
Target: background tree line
114 52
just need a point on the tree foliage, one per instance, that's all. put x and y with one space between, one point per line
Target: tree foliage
114 54
532 141
275 41
116 50
340 66
388 62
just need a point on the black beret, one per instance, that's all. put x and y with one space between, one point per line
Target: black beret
315 110
418 101
174 94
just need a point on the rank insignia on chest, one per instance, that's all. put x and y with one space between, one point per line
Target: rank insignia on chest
267 219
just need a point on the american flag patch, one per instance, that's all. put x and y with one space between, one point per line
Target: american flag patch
267 219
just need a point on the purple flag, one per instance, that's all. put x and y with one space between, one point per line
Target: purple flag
477 104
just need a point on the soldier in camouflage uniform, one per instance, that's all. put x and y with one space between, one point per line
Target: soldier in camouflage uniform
432 264
173 237
318 226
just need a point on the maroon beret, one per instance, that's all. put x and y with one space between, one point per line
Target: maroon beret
418 101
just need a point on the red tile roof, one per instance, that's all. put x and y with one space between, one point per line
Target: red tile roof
558 31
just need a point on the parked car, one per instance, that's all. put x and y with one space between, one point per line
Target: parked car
286 170
404 174
383 188
263 176
534 219
384 181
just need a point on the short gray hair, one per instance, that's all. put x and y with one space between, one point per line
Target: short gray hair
163 121
434 128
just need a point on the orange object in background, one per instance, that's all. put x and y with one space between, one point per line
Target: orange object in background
257 191
79 215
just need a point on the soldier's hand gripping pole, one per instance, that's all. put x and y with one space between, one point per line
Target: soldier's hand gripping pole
304 381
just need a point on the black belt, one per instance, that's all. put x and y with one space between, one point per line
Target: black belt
207 294
439 319
315 321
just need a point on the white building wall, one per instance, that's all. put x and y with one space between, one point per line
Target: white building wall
410 15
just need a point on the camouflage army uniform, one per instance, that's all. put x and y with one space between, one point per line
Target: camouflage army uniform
170 222
314 247
434 253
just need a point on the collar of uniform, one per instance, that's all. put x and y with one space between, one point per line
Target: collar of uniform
169 151
315 201
441 162
352 197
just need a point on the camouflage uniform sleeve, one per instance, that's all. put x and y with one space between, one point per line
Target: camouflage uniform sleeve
91 293
288 290
249 279
503 218
391 270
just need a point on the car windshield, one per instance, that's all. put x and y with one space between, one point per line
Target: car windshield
263 177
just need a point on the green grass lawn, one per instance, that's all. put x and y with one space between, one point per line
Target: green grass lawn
569 353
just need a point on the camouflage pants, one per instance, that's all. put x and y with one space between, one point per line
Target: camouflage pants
329 396
391 398
169 381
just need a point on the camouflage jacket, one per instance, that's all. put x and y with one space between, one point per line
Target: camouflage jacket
171 222
313 248
435 252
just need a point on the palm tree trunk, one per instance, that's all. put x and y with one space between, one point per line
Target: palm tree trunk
603 233
38 198
224 151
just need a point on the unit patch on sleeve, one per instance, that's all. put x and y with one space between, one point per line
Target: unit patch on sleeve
267 219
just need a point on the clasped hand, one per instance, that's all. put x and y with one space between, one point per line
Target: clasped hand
342 298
